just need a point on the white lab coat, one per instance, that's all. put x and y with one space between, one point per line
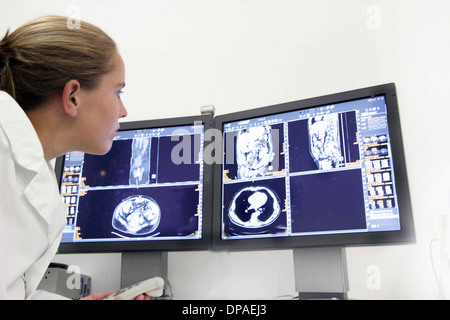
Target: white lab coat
32 214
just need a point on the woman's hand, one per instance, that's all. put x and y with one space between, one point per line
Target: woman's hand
98 296
101 296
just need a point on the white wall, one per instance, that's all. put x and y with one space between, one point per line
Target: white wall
244 54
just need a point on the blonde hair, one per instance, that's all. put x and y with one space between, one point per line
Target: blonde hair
40 57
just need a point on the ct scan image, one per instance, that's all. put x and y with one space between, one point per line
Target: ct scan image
255 208
137 215
325 142
254 152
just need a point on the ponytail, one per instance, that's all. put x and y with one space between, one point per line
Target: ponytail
6 78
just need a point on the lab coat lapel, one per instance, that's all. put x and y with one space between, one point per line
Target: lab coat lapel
44 197
41 194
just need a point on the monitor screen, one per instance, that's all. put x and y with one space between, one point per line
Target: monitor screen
149 192
326 171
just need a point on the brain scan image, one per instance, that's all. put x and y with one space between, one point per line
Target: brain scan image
254 152
324 141
140 161
254 207
137 215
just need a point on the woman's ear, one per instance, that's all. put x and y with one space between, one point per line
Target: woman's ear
70 99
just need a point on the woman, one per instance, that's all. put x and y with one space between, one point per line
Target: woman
59 92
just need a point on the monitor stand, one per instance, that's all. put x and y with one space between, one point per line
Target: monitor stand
138 266
321 273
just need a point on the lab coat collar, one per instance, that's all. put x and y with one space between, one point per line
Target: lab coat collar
26 147
27 152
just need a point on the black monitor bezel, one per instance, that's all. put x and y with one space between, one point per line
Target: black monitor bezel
158 245
404 236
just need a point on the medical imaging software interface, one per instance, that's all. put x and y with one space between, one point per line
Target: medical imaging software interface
322 170
147 187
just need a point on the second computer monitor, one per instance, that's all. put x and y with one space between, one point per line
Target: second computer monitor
326 171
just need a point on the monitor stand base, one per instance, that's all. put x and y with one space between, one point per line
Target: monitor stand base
138 266
321 273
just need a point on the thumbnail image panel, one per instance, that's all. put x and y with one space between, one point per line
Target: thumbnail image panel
323 142
379 175
321 202
254 152
139 212
253 209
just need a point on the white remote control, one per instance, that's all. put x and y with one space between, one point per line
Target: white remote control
153 287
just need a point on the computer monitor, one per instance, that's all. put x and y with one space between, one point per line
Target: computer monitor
151 192
320 172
